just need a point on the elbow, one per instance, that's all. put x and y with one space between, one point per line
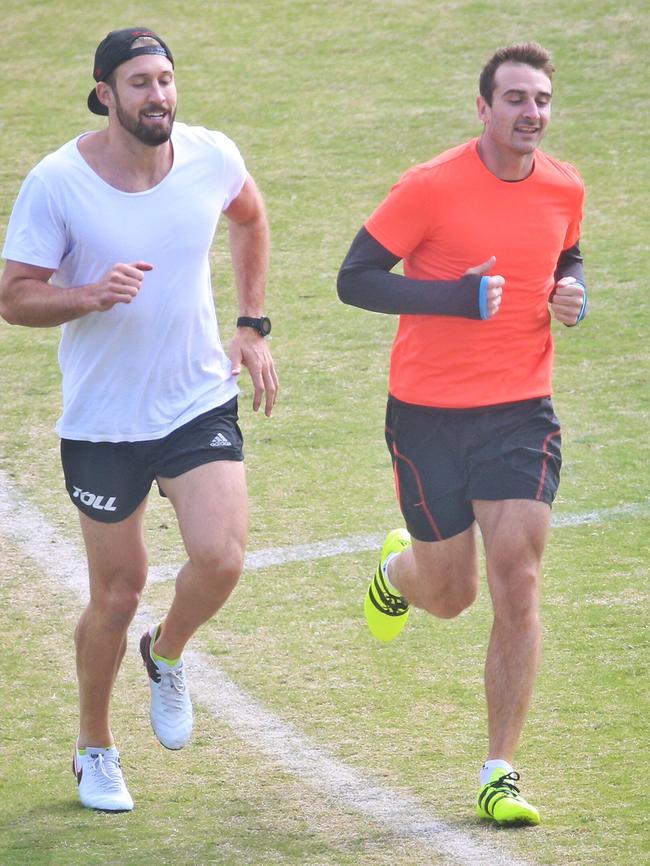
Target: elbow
8 311
344 286
5 313
5 305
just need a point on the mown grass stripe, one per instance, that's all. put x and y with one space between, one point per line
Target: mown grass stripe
270 556
398 812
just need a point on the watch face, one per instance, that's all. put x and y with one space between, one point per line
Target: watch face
265 326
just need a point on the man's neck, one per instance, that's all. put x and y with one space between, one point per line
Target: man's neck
506 165
124 162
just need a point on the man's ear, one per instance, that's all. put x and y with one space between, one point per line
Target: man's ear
105 94
482 109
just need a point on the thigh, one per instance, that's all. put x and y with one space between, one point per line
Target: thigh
453 561
514 532
105 480
429 471
211 506
116 552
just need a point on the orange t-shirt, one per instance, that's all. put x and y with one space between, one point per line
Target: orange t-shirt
451 214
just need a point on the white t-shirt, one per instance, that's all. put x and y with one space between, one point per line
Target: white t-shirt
139 370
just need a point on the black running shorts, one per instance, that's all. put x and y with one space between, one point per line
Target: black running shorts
108 480
445 458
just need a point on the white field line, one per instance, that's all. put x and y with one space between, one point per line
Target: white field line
401 814
360 543
281 742
281 555
394 811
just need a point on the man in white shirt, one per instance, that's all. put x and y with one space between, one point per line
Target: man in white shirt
109 238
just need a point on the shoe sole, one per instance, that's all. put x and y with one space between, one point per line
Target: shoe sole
530 821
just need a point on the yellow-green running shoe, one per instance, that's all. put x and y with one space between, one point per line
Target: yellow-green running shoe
387 612
501 801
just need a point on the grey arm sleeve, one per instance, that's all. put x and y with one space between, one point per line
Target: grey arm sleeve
365 281
570 264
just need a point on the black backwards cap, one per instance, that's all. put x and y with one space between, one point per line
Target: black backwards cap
115 50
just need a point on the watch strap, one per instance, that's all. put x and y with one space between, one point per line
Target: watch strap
262 324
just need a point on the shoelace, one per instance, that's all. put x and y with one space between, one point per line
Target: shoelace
395 605
506 781
172 687
107 773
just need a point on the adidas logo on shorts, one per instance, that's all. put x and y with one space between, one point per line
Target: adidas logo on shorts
221 441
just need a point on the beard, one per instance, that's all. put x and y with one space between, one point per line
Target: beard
148 133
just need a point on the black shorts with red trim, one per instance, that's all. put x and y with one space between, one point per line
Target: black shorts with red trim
443 459
108 480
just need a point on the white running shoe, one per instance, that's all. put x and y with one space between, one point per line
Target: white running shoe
171 708
99 777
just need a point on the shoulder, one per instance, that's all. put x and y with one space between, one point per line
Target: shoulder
209 156
56 164
53 175
561 172
447 164
454 156
200 138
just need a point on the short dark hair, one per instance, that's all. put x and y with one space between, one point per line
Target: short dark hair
530 53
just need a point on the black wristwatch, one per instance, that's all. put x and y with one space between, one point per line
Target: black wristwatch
261 325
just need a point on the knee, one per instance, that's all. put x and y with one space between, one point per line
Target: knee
450 606
124 601
118 602
515 595
219 563
450 600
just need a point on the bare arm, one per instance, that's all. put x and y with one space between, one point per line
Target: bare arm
26 297
249 249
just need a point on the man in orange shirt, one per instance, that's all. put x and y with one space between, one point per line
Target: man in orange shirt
488 233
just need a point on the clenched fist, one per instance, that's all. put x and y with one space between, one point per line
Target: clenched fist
119 286
567 301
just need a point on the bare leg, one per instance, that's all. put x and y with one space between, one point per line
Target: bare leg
515 533
117 567
212 510
439 576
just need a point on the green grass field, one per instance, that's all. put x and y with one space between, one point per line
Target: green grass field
329 103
